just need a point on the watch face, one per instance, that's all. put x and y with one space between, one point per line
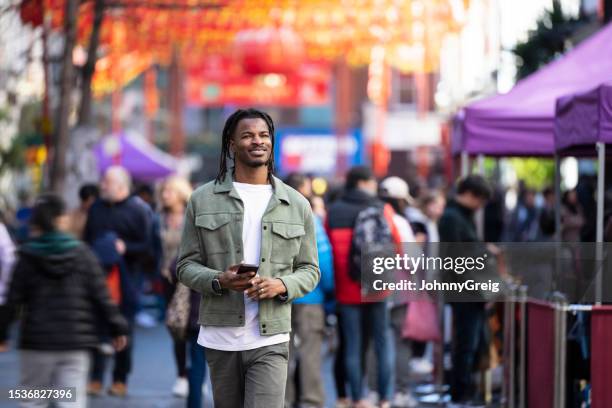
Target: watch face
216 285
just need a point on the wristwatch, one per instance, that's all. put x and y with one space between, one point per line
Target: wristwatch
216 286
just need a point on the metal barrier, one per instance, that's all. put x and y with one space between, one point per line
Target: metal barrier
514 390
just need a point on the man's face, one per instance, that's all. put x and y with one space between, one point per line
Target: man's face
530 199
306 188
435 209
252 143
473 202
111 188
369 186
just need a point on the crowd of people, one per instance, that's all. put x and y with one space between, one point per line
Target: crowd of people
76 279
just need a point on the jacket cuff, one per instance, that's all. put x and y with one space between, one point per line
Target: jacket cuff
285 298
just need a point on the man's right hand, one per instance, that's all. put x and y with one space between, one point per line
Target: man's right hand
120 246
230 279
120 342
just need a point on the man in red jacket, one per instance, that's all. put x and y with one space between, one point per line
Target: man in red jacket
360 193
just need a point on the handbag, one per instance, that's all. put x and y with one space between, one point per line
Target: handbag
177 313
421 323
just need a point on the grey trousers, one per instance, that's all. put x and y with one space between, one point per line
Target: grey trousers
308 323
249 379
53 370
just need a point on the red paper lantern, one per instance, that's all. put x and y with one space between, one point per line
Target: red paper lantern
32 12
270 49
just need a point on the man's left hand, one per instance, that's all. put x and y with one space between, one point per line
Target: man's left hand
120 246
265 288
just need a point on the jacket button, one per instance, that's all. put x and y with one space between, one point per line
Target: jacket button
264 332
237 251
263 325
263 259
265 227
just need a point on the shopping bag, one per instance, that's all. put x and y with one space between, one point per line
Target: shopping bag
421 323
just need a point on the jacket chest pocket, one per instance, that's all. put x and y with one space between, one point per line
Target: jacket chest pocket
286 240
214 232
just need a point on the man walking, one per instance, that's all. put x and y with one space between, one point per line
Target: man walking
247 215
118 228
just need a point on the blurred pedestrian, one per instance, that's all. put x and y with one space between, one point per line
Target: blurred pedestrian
358 321
525 224
7 260
61 291
88 194
547 215
572 217
197 357
586 189
395 192
118 229
308 320
22 216
150 270
318 206
248 215
425 214
424 218
174 195
469 318
494 216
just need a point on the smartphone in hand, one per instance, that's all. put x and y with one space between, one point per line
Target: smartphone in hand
246 268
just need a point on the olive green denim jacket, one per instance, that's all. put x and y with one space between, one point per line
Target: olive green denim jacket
212 241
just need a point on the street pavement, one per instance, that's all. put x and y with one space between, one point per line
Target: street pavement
151 381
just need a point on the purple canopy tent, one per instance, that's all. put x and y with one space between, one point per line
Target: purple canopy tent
583 122
521 122
143 160
584 119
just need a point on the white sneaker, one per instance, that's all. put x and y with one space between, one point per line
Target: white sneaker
180 388
421 366
404 400
106 349
373 397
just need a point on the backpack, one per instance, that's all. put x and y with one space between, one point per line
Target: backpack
372 237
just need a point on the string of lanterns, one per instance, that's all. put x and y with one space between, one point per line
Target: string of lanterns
269 35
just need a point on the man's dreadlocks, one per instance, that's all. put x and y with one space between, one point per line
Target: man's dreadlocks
228 131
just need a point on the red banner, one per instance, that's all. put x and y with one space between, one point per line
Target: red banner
218 83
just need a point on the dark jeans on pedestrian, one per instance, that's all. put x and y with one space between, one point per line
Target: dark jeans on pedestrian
469 328
197 370
250 378
376 317
123 361
180 356
339 370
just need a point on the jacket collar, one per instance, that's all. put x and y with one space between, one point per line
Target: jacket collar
358 196
467 212
227 186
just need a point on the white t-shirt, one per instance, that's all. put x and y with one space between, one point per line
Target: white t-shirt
404 228
255 198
